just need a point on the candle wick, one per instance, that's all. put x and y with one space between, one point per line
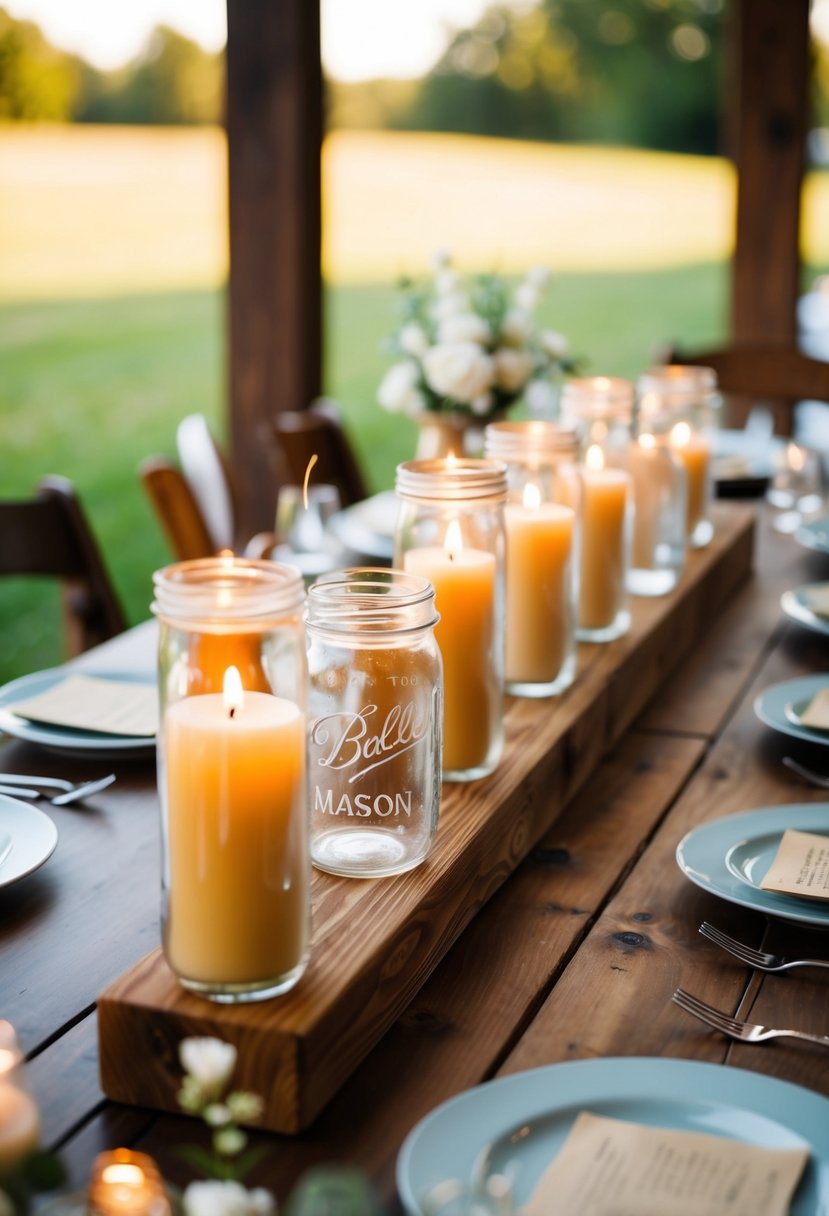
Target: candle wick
233 712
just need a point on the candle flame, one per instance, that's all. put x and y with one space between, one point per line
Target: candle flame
121 1174
594 457
311 464
647 441
233 694
681 435
453 541
531 496
451 459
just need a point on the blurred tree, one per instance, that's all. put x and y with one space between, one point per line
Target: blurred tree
36 81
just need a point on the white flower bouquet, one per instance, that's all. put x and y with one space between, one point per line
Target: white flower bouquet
472 347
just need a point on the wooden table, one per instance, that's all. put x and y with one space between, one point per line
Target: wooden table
575 956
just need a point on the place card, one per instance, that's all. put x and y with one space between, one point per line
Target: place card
609 1167
817 598
816 713
111 707
801 866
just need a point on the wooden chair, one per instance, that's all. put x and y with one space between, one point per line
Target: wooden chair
49 535
178 512
318 431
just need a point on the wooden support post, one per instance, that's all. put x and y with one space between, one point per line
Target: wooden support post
274 124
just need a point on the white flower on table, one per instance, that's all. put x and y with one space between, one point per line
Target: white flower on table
541 398
513 368
222 1198
452 304
516 328
460 370
414 340
209 1061
398 392
554 344
464 327
481 406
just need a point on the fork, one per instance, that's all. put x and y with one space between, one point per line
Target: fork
16 783
807 774
760 959
735 1028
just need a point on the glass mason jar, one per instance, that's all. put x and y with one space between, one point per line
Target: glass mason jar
683 403
232 776
450 530
542 549
376 718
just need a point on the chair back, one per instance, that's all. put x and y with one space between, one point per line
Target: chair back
178 512
207 473
49 535
301 434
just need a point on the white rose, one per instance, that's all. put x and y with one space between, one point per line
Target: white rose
481 405
541 398
516 328
459 370
447 282
441 258
397 386
513 368
465 327
209 1061
453 304
413 339
540 277
554 344
214 1198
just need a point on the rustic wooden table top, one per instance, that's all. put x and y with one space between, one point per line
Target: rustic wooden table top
575 956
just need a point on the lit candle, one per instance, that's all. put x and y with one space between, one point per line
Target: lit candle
538 624
604 504
19 1119
237 832
464 583
125 1183
694 451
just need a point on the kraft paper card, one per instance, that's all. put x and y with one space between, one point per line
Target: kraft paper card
113 707
816 713
817 598
801 866
609 1167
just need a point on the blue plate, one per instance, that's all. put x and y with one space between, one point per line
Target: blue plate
730 857
795 605
771 706
526 1118
814 534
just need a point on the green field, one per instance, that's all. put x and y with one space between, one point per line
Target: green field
107 340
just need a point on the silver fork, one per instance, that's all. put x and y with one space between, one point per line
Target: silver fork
760 959
807 774
735 1028
15 784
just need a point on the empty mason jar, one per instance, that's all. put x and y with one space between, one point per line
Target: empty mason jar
232 776
374 740
450 530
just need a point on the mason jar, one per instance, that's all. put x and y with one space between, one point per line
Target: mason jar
375 721
683 403
542 553
232 776
450 530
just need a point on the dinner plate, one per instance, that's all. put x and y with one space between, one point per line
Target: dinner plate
743 462
730 857
795 605
814 534
64 739
771 706
32 835
527 1116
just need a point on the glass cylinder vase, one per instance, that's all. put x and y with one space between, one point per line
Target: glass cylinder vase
450 530
232 776
542 552
376 721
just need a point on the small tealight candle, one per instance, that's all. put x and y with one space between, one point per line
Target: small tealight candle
125 1183
19 1118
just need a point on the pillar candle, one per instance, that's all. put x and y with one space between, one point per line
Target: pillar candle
539 547
464 583
694 451
19 1127
604 503
235 794
651 473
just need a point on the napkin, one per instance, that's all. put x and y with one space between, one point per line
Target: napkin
113 707
816 713
609 1167
801 866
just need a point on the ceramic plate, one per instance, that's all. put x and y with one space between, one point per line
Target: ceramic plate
772 704
526 1118
814 534
795 605
62 739
730 857
32 836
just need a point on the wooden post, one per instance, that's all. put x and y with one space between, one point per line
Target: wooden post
274 125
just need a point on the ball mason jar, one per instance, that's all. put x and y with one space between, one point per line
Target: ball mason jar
232 776
684 403
375 721
450 530
542 553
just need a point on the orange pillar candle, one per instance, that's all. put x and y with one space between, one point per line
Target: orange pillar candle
538 588
694 452
603 540
464 583
237 840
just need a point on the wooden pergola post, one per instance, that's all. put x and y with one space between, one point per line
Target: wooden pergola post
275 128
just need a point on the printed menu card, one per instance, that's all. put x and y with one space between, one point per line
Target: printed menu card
609 1167
816 713
801 866
113 707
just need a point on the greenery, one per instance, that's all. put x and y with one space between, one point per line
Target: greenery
90 388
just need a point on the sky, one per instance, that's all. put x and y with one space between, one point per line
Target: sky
361 38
